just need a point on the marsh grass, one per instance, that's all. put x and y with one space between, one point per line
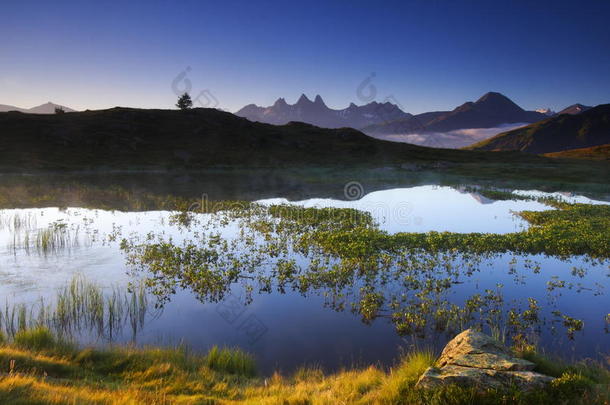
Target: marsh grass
556 366
58 237
36 339
54 238
231 361
43 371
82 307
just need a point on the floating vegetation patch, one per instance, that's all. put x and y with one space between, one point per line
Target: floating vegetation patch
80 308
407 278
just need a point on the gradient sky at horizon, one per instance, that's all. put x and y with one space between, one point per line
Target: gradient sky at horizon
425 55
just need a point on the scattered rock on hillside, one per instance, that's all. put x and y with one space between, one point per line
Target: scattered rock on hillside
474 359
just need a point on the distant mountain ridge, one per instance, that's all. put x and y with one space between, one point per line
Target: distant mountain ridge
574 109
559 133
457 128
491 110
46 108
387 120
317 113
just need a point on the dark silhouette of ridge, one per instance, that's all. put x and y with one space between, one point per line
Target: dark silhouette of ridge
142 139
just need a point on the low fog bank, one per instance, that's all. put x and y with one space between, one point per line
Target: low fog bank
452 139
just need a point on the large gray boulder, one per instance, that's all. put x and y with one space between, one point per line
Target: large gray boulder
474 359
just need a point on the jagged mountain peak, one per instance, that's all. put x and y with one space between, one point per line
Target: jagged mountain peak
303 99
280 102
316 112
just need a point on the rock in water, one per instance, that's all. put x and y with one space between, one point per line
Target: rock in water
474 359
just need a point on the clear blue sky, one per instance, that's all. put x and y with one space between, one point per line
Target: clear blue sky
427 55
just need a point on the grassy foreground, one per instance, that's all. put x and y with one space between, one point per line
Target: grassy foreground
36 368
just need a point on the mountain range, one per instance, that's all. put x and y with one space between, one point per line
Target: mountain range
564 132
382 119
317 113
491 110
493 122
46 108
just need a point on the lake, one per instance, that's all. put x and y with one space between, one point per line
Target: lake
42 249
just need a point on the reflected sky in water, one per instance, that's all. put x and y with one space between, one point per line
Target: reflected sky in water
433 208
286 331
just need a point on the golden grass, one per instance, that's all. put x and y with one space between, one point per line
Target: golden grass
120 375
23 389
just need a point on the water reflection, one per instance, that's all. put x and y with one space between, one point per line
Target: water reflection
432 208
248 279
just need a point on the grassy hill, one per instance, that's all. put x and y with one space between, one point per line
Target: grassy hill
127 138
560 133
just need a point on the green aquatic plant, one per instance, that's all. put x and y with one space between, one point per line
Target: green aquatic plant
342 255
56 238
81 307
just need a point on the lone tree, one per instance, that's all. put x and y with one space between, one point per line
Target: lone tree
184 102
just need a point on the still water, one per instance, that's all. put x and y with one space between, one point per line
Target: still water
287 330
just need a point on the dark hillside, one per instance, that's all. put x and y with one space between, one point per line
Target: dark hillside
556 134
126 138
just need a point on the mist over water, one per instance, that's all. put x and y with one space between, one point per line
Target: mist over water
452 139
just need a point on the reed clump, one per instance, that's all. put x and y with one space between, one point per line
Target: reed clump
82 307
